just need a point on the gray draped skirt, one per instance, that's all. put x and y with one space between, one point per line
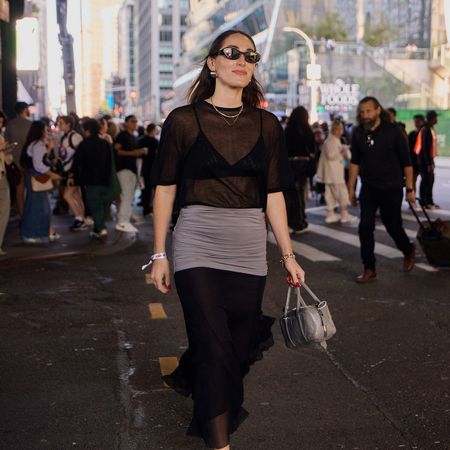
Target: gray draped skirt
221 238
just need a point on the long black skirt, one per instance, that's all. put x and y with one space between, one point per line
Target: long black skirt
227 333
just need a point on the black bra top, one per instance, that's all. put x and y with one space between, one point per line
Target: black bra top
220 165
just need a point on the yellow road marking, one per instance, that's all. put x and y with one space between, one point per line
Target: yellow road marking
167 365
157 311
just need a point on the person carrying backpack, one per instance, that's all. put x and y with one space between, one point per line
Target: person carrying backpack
66 153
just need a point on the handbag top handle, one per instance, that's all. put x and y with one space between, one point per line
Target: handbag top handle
300 301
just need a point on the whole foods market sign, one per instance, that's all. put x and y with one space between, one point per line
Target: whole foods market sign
339 96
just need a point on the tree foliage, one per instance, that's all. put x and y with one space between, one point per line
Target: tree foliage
379 34
330 27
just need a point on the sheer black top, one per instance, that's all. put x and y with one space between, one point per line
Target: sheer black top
219 165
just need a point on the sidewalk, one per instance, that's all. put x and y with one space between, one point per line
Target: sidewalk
443 162
70 244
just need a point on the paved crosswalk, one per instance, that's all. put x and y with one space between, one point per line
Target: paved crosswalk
347 234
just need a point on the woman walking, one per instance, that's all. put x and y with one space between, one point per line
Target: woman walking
300 145
330 171
35 227
221 161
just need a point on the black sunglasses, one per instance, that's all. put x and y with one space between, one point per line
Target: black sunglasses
234 53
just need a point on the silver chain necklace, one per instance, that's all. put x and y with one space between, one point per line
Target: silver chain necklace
235 117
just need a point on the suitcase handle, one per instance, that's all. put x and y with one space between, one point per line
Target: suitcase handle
417 216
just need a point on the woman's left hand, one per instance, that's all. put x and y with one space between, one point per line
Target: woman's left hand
295 274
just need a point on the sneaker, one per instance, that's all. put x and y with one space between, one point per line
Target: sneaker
99 235
348 218
78 225
126 227
89 221
54 237
331 218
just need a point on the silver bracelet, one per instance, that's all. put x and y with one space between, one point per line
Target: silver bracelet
155 256
286 257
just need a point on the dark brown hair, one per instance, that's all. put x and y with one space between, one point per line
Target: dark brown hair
36 133
68 120
203 87
299 119
384 115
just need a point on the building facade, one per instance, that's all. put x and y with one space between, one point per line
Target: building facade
409 21
160 27
32 68
99 58
124 96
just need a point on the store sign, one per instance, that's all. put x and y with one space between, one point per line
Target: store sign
4 10
339 96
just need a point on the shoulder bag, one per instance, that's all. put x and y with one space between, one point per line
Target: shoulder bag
306 324
41 183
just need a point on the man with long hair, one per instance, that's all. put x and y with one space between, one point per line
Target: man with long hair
380 156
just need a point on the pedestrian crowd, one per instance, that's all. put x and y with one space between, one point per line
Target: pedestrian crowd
87 164
320 156
327 160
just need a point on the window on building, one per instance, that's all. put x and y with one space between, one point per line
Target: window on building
165 36
165 68
166 19
165 84
165 4
165 52
183 20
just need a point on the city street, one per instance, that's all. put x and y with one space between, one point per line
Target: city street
84 342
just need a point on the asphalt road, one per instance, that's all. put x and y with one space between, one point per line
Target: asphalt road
80 355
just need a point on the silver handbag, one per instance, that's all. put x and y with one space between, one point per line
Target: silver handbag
306 324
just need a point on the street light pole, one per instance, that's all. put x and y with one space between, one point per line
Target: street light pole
314 79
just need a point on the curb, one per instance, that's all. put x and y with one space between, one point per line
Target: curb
120 242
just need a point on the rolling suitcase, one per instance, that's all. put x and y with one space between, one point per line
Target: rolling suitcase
434 238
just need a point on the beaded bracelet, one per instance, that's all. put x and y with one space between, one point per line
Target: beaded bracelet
286 257
155 256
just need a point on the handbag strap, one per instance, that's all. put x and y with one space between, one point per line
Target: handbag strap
300 301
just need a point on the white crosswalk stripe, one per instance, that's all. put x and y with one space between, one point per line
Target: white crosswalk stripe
410 233
351 239
427 267
306 251
348 235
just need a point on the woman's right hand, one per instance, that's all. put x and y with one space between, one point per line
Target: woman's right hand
160 275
